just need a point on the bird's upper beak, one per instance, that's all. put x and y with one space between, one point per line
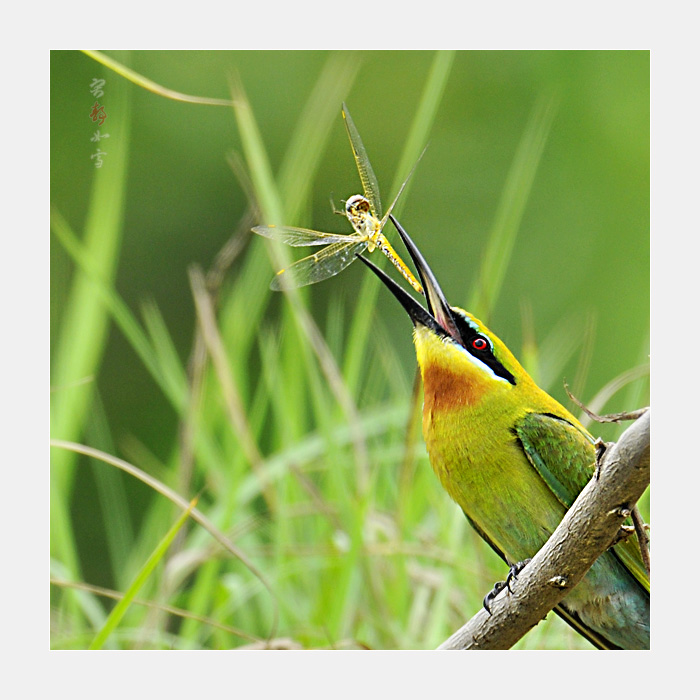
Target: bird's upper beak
438 317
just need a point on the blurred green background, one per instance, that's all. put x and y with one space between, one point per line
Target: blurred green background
573 303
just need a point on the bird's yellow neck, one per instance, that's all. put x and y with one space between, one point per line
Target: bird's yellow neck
455 380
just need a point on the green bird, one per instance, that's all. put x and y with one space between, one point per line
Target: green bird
514 459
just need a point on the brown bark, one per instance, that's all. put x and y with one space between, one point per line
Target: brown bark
589 528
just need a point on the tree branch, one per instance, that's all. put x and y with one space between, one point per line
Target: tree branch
587 530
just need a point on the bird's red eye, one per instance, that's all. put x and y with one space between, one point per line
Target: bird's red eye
479 344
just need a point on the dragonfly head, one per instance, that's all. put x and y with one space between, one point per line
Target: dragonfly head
357 205
360 215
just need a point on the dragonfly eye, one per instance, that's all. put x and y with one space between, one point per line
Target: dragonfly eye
357 204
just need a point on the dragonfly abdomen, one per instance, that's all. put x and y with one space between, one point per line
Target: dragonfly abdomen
388 250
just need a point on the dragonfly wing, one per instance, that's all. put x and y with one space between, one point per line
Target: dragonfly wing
367 176
291 235
319 266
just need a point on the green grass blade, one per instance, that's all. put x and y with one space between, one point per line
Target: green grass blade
250 295
268 196
422 122
84 324
103 292
157 353
501 238
112 494
171 373
90 607
170 495
303 156
266 190
545 361
583 364
151 86
122 606
418 135
83 330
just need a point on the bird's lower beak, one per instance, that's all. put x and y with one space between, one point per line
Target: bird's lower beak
438 317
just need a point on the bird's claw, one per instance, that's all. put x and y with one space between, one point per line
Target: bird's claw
600 448
513 572
515 569
489 597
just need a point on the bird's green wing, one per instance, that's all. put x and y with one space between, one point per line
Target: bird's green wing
564 457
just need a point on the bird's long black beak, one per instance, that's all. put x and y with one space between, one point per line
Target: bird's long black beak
438 317
437 304
417 313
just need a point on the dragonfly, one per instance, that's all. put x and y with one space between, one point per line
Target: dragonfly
364 212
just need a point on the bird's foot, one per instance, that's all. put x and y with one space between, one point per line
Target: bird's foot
489 597
600 449
513 572
515 569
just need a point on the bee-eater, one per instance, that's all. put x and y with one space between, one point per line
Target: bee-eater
513 458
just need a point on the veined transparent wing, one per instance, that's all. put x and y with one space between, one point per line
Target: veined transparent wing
294 236
319 266
363 213
370 185
367 176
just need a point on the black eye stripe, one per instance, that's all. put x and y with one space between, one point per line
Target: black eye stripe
470 341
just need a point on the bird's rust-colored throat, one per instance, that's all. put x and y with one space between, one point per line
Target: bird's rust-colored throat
446 386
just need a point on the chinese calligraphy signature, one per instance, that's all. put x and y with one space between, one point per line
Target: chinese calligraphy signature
99 116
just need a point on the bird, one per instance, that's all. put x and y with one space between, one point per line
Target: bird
514 459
